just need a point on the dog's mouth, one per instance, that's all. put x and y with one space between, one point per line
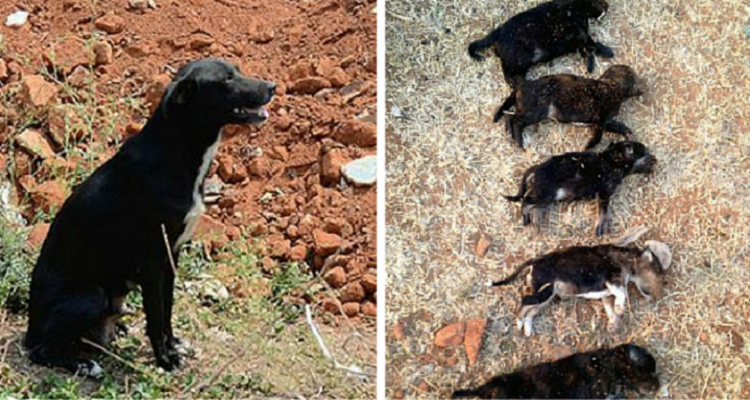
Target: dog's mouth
250 115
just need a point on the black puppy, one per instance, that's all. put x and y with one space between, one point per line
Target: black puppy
595 374
582 176
543 33
108 235
572 99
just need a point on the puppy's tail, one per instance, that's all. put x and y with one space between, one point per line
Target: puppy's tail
507 104
479 45
512 277
522 188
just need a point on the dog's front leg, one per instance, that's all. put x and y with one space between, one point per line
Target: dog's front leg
154 302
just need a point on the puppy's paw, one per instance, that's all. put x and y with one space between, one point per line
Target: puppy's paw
90 368
169 361
604 51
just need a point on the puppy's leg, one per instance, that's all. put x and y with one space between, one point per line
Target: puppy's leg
154 304
604 51
603 227
67 323
596 139
620 294
614 319
530 306
619 128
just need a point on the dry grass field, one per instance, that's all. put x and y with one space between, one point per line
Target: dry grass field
448 165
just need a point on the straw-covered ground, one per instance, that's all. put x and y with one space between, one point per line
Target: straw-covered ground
447 166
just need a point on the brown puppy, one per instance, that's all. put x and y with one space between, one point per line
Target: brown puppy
572 99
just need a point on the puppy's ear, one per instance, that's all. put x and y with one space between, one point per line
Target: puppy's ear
177 94
661 251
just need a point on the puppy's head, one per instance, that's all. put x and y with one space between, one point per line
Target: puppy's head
217 93
595 8
650 266
638 367
633 157
624 79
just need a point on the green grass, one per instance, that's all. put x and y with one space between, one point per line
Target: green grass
15 267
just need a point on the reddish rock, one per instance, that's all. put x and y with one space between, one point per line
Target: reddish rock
330 305
278 245
398 331
450 335
267 264
473 338
133 128
110 23
338 77
64 126
48 196
35 143
330 167
155 90
279 153
79 78
233 232
351 309
211 232
27 183
398 394
36 91
260 166
307 224
67 54
57 167
260 33
23 163
353 291
199 41
356 132
3 71
309 85
370 309
298 253
229 170
325 243
103 53
37 235
336 277
370 283
140 49
483 244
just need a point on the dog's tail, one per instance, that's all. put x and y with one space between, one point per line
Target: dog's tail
512 277
507 104
479 45
522 188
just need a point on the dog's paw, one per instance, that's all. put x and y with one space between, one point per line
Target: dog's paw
169 361
90 368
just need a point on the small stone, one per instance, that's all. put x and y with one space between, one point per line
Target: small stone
483 244
703 337
362 172
330 305
260 166
110 23
325 243
450 335
309 85
37 92
370 283
133 128
473 338
278 246
67 54
370 309
336 277
140 49
34 142
279 153
48 196
229 170
211 232
330 167
17 19
137 4
64 126
298 253
353 90
260 33
56 167
155 90
338 77
353 291
103 53
351 309
267 264
199 41
356 132
37 235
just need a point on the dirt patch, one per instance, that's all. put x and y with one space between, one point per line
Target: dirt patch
448 166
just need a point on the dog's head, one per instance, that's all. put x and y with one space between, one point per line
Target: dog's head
594 8
624 78
217 92
649 268
638 368
633 157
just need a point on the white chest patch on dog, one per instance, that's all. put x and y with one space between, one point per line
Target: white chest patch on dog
595 295
197 209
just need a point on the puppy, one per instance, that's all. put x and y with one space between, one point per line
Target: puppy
598 272
543 33
582 176
597 374
107 237
572 99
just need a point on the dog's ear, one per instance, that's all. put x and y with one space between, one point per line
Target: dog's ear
177 94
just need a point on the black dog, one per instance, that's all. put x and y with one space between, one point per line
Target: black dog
108 235
572 99
543 33
596 374
583 176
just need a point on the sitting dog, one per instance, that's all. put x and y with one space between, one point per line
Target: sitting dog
598 272
582 176
108 235
597 374
572 99
543 33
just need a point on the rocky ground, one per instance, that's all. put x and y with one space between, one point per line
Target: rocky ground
79 77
